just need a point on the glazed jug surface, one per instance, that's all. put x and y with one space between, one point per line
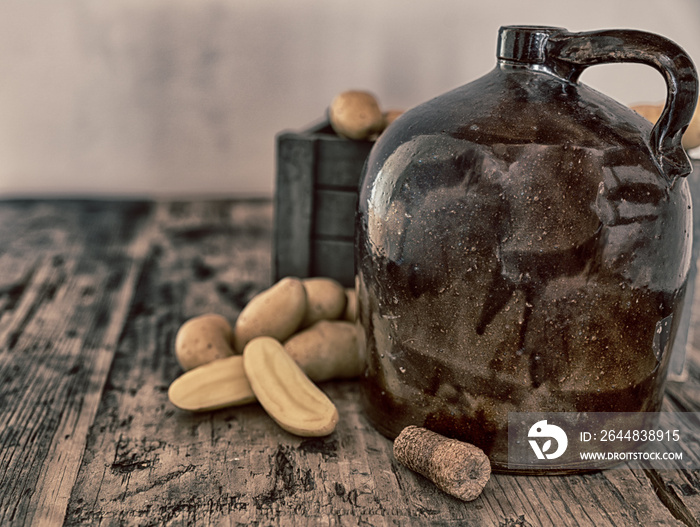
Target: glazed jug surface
523 243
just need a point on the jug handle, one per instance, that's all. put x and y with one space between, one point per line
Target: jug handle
570 53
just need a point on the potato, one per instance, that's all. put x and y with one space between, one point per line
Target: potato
651 112
325 300
203 339
350 313
285 392
356 114
276 312
327 350
691 137
390 116
217 384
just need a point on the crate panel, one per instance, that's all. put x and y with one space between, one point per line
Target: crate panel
341 161
334 213
296 160
318 176
334 259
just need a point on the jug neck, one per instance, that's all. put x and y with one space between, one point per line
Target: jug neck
525 45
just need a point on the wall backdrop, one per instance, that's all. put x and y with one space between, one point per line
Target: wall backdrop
184 97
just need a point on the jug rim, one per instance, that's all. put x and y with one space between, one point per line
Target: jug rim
524 43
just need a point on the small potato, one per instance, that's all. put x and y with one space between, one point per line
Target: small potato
356 115
651 112
390 116
327 350
276 312
691 137
351 305
325 300
203 339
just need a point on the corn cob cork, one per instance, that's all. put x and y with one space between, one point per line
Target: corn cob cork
457 468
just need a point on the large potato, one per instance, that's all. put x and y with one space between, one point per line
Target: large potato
350 313
276 312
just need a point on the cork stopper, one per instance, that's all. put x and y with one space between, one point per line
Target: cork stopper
457 468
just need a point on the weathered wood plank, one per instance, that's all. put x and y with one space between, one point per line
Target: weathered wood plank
334 258
294 205
318 175
680 490
340 161
57 339
148 463
334 214
87 287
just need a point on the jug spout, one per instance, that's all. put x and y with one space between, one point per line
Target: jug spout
525 44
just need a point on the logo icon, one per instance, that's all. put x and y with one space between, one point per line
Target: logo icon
543 430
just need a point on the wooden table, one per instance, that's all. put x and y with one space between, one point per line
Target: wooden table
91 296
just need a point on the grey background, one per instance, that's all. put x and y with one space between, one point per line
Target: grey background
184 97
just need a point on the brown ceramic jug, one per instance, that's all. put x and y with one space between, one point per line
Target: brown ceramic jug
523 242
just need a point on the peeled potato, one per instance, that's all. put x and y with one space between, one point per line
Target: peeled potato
285 392
214 385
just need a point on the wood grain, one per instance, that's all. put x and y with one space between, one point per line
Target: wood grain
60 327
91 296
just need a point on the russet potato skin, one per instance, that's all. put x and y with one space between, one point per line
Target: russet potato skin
391 115
691 137
325 300
355 114
276 312
350 313
327 350
203 339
